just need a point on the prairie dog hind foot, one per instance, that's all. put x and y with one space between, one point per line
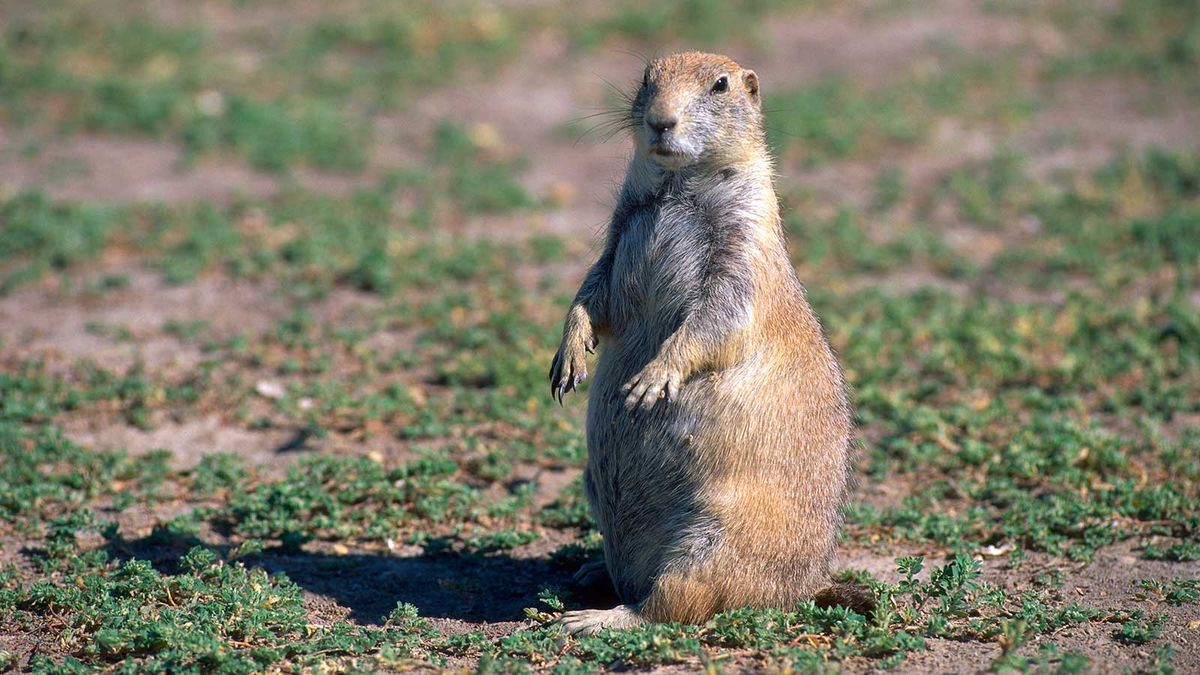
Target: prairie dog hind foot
591 621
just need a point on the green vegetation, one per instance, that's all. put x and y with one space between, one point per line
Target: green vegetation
316 239
296 95
1177 592
212 615
836 119
364 471
146 78
40 236
1156 38
703 22
991 403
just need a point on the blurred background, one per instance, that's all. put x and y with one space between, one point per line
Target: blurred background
292 272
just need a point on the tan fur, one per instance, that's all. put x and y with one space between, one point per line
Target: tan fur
718 425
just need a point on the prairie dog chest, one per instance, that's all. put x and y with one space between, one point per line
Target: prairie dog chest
660 261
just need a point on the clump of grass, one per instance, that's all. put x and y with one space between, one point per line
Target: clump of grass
1142 209
697 21
833 119
569 510
1140 629
1049 658
310 239
41 235
103 72
146 78
1175 593
1156 38
212 615
45 474
352 498
476 183
276 135
889 188
844 243
1184 551
388 52
953 603
993 194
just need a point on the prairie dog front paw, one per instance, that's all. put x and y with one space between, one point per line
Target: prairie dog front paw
656 381
569 367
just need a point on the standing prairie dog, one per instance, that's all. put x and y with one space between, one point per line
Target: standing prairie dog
718 427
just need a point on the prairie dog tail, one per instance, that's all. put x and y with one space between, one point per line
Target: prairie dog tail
856 597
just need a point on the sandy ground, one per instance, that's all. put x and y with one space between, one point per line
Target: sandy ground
558 86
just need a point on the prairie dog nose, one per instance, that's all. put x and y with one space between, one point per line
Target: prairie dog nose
661 124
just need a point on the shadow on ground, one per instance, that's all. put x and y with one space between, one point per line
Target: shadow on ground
469 588
441 585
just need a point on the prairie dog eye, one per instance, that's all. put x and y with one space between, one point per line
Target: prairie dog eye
721 85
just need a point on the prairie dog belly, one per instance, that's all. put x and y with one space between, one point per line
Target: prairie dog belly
650 476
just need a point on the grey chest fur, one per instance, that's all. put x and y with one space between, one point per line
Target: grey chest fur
658 266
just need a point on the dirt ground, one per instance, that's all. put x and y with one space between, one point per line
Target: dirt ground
532 105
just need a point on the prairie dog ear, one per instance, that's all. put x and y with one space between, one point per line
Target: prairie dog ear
750 78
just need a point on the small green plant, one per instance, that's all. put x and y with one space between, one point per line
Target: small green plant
1140 629
1176 592
1179 552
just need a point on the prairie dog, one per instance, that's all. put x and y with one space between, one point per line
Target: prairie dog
718 426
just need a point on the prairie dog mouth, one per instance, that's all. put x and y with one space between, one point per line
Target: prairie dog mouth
669 158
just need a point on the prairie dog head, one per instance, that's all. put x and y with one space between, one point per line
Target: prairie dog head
695 108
